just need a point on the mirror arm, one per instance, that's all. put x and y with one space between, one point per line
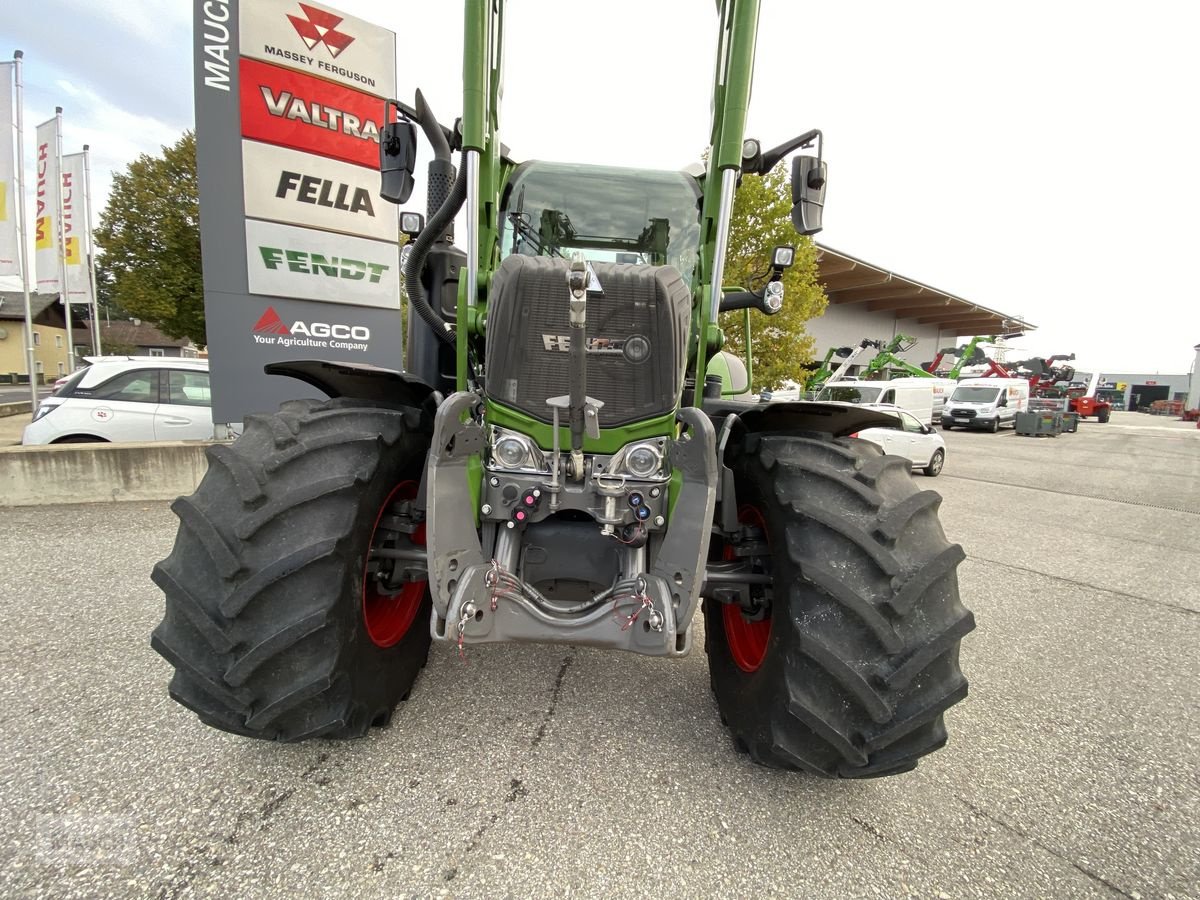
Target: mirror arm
771 157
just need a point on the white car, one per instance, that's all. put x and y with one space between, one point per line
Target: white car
127 399
923 446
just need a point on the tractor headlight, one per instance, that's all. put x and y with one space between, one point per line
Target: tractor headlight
516 451
643 460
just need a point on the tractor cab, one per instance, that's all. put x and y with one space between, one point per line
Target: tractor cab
609 214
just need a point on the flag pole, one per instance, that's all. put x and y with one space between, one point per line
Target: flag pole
91 250
62 243
30 353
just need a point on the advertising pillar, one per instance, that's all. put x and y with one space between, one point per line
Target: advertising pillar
300 254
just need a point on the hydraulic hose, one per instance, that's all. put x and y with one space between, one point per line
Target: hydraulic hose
433 230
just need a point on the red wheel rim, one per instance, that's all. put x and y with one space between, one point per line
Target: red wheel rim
389 616
747 639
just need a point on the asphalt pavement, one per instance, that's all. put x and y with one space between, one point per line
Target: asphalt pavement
562 771
15 393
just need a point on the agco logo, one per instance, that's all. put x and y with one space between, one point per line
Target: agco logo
320 27
270 329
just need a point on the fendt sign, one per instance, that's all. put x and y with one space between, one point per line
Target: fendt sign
285 261
300 254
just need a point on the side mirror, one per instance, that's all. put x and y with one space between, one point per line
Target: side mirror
926 429
808 193
397 157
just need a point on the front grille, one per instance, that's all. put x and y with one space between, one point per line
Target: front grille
528 360
962 413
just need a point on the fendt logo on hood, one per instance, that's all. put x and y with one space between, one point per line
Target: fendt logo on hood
320 27
271 330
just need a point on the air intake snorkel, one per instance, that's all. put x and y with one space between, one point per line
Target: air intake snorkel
445 197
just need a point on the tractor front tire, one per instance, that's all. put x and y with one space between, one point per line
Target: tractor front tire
849 672
1103 416
272 624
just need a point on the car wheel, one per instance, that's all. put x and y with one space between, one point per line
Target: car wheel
935 464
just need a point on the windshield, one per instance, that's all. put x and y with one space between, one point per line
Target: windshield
846 394
610 214
975 394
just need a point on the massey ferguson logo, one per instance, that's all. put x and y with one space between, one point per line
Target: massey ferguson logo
271 330
320 27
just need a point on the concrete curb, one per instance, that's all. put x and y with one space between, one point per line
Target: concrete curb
100 473
15 409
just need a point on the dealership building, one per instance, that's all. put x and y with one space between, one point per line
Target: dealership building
867 301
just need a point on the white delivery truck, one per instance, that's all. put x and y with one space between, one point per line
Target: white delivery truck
923 398
986 403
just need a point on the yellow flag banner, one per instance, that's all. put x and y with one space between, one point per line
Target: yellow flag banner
9 248
75 228
46 229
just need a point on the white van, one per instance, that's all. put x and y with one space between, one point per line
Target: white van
986 403
921 397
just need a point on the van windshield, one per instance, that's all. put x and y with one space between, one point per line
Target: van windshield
847 394
975 394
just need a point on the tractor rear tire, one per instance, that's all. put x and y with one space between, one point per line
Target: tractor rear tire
856 661
268 618
1103 416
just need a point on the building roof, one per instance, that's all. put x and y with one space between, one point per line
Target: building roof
12 304
137 334
849 280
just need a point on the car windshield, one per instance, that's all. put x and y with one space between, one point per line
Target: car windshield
847 394
975 394
610 214
70 381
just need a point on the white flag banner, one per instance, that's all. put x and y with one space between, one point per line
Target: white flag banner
75 229
9 248
46 224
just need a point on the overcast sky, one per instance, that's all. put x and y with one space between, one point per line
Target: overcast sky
1035 158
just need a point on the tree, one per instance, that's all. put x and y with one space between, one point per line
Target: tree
762 221
150 236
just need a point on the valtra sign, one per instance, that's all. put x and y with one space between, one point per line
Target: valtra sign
289 186
322 42
290 109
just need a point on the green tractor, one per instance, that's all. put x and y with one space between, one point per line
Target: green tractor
557 464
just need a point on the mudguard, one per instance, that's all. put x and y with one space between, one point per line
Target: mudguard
358 380
837 419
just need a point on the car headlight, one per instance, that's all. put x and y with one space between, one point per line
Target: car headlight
44 410
511 450
642 460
